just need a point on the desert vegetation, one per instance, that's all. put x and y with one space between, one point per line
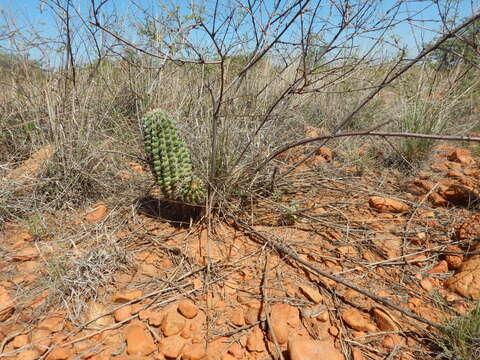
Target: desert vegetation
309 138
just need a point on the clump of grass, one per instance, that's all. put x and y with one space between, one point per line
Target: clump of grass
76 279
431 104
461 337
419 117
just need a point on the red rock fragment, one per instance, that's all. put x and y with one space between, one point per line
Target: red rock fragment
306 349
60 353
441 267
126 296
187 308
467 281
98 212
172 346
437 199
172 323
454 261
388 205
194 352
279 315
461 156
255 341
357 320
139 340
53 323
6 304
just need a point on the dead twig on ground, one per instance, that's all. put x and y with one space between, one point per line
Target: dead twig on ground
267 308
285 250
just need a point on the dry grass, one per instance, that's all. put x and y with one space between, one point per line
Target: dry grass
461 337
95 130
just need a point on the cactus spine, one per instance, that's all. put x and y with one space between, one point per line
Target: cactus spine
170 159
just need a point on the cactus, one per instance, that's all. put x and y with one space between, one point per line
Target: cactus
170 160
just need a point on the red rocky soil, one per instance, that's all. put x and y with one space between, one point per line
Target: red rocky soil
230 292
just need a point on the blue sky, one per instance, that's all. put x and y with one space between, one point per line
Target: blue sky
31 14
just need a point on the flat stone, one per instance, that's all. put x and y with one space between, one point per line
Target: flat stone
127 296
279 314
383 204
139 340
187 308
98 212
255 341
28 355
60 353
172 323
53 323
172 346
194 352
306 349
357 320
20 340
123 313
238 317
311 293
384 320
6 304
467 281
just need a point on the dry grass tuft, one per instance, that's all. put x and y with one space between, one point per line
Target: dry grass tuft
76 277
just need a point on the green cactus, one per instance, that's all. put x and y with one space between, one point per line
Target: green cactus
170 160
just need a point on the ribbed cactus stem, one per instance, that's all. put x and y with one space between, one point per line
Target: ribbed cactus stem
170 159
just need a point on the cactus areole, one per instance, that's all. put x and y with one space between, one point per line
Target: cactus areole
170 159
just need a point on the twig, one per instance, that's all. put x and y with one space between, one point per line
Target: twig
267 308
366 133
10 337
385 82
410 219
284 249
162 56
241 328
